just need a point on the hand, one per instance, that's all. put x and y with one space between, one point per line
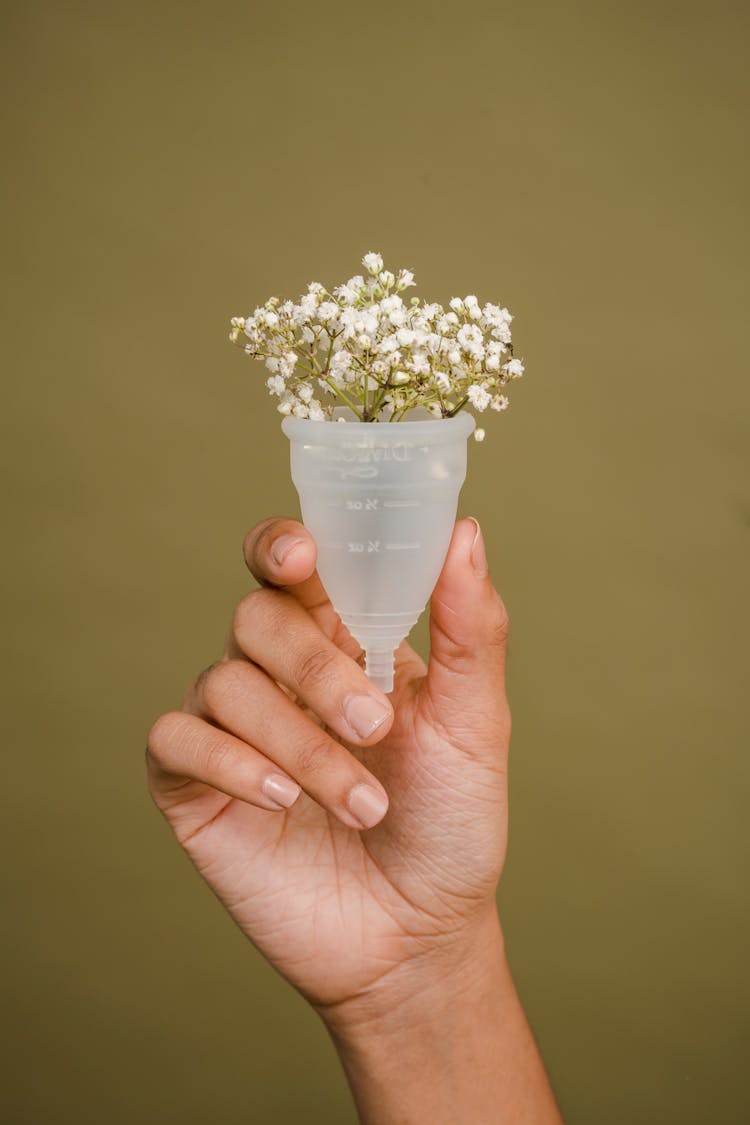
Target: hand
340 895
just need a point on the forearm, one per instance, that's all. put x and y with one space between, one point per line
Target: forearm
456 1049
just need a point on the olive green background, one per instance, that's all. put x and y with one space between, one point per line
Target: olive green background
169 165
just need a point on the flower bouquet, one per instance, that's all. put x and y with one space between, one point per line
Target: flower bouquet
374 394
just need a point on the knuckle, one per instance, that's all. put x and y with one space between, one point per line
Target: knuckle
216 754
168 730
220 683
262 602
499 622
316 668
313 754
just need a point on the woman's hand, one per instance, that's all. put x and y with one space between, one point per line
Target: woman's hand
337 892
358 840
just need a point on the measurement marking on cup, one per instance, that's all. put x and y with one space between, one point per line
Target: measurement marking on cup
400 503
402 546
369 504
370 546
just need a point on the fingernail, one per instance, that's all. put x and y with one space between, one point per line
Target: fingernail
281 789
283 547
367 805
478 552
365 714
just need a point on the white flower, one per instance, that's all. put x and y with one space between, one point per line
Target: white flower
479 434
346 294
276 385
387 344
472 307
287 364
514 369
328 310
469 336
502 333
373 263
419 364
429 312
307 308
331 342
478 396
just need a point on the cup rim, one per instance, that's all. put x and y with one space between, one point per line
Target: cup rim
460 425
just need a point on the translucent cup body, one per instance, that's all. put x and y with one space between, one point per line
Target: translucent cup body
380 500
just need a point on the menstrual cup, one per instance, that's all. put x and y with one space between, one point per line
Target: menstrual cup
380 500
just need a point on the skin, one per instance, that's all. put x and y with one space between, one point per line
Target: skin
389 927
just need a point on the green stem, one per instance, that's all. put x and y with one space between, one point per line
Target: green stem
337 391
458 407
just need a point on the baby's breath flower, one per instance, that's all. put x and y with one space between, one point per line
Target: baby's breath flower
478 396
362 347
479 434
276 385
514 368
373 263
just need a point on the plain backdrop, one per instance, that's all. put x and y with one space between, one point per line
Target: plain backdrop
169 165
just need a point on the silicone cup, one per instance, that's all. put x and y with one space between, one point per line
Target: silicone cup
380 500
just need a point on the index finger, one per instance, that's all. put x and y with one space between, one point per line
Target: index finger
281 552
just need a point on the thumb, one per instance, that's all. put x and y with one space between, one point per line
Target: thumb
468 631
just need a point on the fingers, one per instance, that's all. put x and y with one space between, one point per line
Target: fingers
282 552
468 624
255 733
274 631
185 746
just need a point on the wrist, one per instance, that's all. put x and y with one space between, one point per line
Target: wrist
444 1039
425 989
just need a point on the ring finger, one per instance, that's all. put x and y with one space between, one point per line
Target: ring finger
243 700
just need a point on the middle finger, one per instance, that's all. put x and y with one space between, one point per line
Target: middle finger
274 631
241 699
